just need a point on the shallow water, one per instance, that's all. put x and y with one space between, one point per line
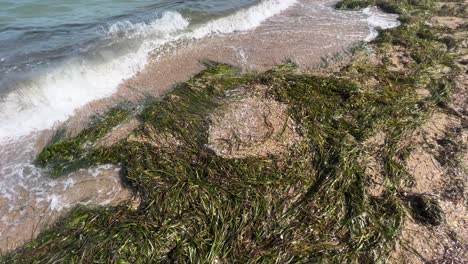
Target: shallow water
163 44
51 66
38 32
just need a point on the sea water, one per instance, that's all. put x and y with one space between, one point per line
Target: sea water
56 55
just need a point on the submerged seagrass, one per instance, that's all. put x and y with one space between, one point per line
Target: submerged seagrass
310 204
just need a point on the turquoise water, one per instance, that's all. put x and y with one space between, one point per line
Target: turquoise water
38 32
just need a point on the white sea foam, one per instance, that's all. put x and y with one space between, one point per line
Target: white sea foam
170 22
378 19
245 19
55 203
54 95
68 183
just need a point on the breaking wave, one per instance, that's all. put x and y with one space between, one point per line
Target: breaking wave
53 94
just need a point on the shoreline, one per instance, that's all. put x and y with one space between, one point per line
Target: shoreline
375 19
398 62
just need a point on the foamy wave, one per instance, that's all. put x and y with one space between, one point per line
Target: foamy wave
244 19
170 22
379 20
54 96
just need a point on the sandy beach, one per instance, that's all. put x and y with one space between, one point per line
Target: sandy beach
284 132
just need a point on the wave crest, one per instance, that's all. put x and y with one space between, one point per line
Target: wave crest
169 22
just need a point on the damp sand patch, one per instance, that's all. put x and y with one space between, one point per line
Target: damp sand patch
251 125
